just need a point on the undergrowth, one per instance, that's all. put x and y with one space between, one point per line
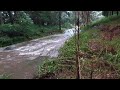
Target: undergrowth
48 66
16 33
105 59
4 76
114 19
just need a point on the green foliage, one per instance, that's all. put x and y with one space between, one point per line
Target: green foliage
18 26
84 38
11 34
24 18
105 13
109 13
17 30
68 50
109 56
67 25
114 43
48 66
47 17
104 20
112 58
11 30
4 76
4 41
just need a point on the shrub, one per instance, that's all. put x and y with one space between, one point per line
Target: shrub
47 67
16 30
11 30
5 41
104 20
4 76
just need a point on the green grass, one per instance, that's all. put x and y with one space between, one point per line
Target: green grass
87 34
105 20
68 50
115 43
48 66
67 26
4 76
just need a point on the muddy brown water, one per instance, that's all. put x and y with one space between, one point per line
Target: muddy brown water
20 61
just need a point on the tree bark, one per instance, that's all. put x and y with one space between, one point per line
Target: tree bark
60 20
77 53
11 17
112 12
117 12
15 16
88 17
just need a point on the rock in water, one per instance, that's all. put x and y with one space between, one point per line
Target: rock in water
9 48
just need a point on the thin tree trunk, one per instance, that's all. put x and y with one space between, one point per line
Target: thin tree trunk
1 19
11 17
77 64
15 16
107 13
59 20
78 58
4 16
88 17
117 12
112 12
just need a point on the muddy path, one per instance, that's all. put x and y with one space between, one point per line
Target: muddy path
20 61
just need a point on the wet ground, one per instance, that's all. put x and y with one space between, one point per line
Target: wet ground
20 61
